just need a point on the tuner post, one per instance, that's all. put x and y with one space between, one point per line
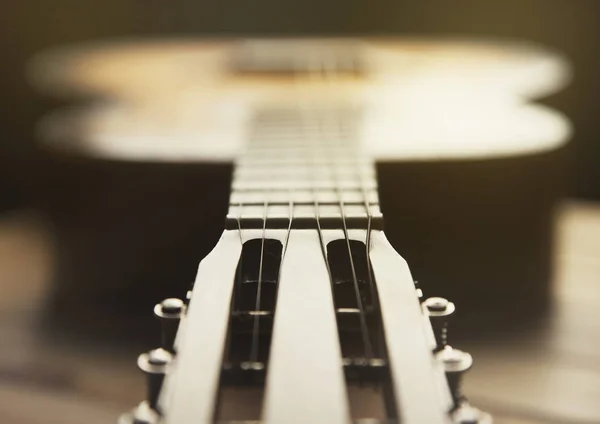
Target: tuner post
440 310
467 414
419 291
154 364
456 363
169 312
142 414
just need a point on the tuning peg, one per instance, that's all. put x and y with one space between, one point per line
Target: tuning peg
456 363
467 414
419 291
439 310
154 364
169 312
142 414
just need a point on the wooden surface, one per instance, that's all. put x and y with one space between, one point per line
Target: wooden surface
547 371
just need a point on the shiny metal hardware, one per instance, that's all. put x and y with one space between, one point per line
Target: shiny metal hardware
154 364
467 414
419 291
456 364
169 312
440 310
142 414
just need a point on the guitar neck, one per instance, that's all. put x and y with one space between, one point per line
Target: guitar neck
303 312
303 170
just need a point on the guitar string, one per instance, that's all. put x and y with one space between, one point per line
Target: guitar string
256 321
254 350
364 327
239 276
238 218
329 73
367 206
310 163
372 289
313 142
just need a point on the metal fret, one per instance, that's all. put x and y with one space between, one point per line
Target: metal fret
302 197
315 167
305 217
327 184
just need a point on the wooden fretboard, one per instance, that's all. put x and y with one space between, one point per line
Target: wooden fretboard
303 169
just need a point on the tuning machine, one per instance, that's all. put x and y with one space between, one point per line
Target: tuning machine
154 364
467 414
142 414
169 312
456 363
419 291
440 310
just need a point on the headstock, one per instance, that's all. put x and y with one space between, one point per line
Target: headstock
317 346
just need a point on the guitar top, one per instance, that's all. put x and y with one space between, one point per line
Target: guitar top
185 100
303 312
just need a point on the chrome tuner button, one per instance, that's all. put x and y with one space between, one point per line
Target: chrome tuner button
419 291
143 414
456 363
154 364
169 312
439 310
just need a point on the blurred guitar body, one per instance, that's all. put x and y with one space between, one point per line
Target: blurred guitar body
468 169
